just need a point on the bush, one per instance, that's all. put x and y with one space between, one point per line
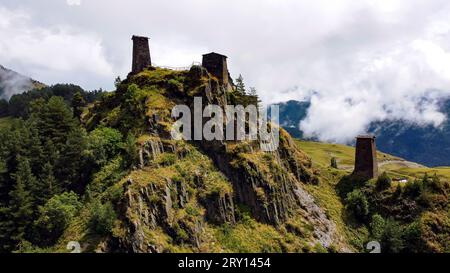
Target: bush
55 216
413 189
105 144
436 186
107 176
333 163
413 241
166 159
377 226
383 182
102 218
357 203
391 240
131 150
349 183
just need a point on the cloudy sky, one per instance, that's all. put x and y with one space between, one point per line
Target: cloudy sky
357 61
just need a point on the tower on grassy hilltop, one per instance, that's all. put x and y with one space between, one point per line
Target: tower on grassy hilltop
366 157
141 54
216 64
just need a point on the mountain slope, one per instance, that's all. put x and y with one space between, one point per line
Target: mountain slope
202 196
12 83
423 144
113 179
403 216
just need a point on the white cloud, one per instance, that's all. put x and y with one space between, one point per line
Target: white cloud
50 53
359 60
405 82
73 2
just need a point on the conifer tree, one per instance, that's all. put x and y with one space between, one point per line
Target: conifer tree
78 103
47 185
240 86
21 202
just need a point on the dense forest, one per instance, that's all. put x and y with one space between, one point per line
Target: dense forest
46 162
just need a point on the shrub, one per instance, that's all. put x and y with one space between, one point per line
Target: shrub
105 144
349 183
413 241
357 203
180 234
131 150
391 240
413 189
102 218
333 163
383 182
55 216
166 159
398 191
377 226
436 186
107 176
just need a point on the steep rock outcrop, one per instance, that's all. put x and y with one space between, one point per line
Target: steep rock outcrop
175 196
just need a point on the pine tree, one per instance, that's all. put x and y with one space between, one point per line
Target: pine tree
131 152
117 82
54 120
240 86
78 103
34 148
48 185
21 203
70 166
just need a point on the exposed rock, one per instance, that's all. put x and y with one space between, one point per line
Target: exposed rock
269 184
219 208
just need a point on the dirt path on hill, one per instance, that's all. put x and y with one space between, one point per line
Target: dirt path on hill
402 163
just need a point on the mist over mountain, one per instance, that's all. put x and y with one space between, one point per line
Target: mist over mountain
12 83
425 144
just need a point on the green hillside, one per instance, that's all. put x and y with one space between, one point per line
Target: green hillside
321 154
5 122
414 215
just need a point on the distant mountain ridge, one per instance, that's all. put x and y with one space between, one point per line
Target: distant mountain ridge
12 83
422 144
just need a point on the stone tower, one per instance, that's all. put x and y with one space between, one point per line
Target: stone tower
366 164
141 54
216 64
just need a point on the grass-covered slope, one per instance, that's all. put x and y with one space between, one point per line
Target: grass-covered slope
407 210
321 154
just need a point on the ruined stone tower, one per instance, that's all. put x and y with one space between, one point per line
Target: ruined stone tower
141 54
216 64
366 164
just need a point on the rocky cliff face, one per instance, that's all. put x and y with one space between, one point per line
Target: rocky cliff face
185 195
